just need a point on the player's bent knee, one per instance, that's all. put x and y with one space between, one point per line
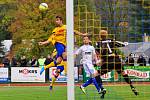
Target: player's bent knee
91 75
95 74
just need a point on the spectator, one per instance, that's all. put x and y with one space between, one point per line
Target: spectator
6 62
33 62
130 60
14 62
23 62
141 61
149 61
41 61
47 61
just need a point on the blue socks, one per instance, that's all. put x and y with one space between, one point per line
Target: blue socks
42 70
92 80
96 84
88 82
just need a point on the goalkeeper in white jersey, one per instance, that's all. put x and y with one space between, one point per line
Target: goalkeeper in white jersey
88 57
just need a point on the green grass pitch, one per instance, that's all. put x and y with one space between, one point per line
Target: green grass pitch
60 93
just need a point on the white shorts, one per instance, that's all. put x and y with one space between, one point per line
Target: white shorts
89 69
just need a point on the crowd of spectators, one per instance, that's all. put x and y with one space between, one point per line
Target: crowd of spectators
141 60
130 60
39 62
25 62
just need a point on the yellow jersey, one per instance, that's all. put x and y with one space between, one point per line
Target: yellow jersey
59 35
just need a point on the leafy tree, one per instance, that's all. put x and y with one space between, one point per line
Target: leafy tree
30 24
114 16
139 23
7 8
127 19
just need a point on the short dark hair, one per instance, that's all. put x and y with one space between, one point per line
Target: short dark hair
89 36
59 17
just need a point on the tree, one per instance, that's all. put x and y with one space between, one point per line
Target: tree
30 24
127 19
114 16
7 8
139 20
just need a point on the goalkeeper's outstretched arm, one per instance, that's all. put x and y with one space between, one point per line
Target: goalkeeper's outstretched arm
79 33
121 44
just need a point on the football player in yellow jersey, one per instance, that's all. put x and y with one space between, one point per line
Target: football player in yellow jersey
60 68
58 39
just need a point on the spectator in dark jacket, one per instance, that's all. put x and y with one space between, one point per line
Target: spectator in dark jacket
33 62
130 60
47 61
23 62
6 62
149 61
14 62
141 61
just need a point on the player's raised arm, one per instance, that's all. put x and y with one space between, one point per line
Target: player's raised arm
121 44
79 33
44 42
50 39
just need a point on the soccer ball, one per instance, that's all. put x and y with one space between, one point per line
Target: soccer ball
43 7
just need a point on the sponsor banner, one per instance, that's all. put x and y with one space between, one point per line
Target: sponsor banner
26 74
106 77
110 76
62 77
4 75
138 73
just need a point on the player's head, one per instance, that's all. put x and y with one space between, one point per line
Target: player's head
33 57
103 34
59 20
86 40
48 56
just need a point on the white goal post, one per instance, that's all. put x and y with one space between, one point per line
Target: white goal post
70 49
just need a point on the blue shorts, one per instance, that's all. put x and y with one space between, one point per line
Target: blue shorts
61 68
60 48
